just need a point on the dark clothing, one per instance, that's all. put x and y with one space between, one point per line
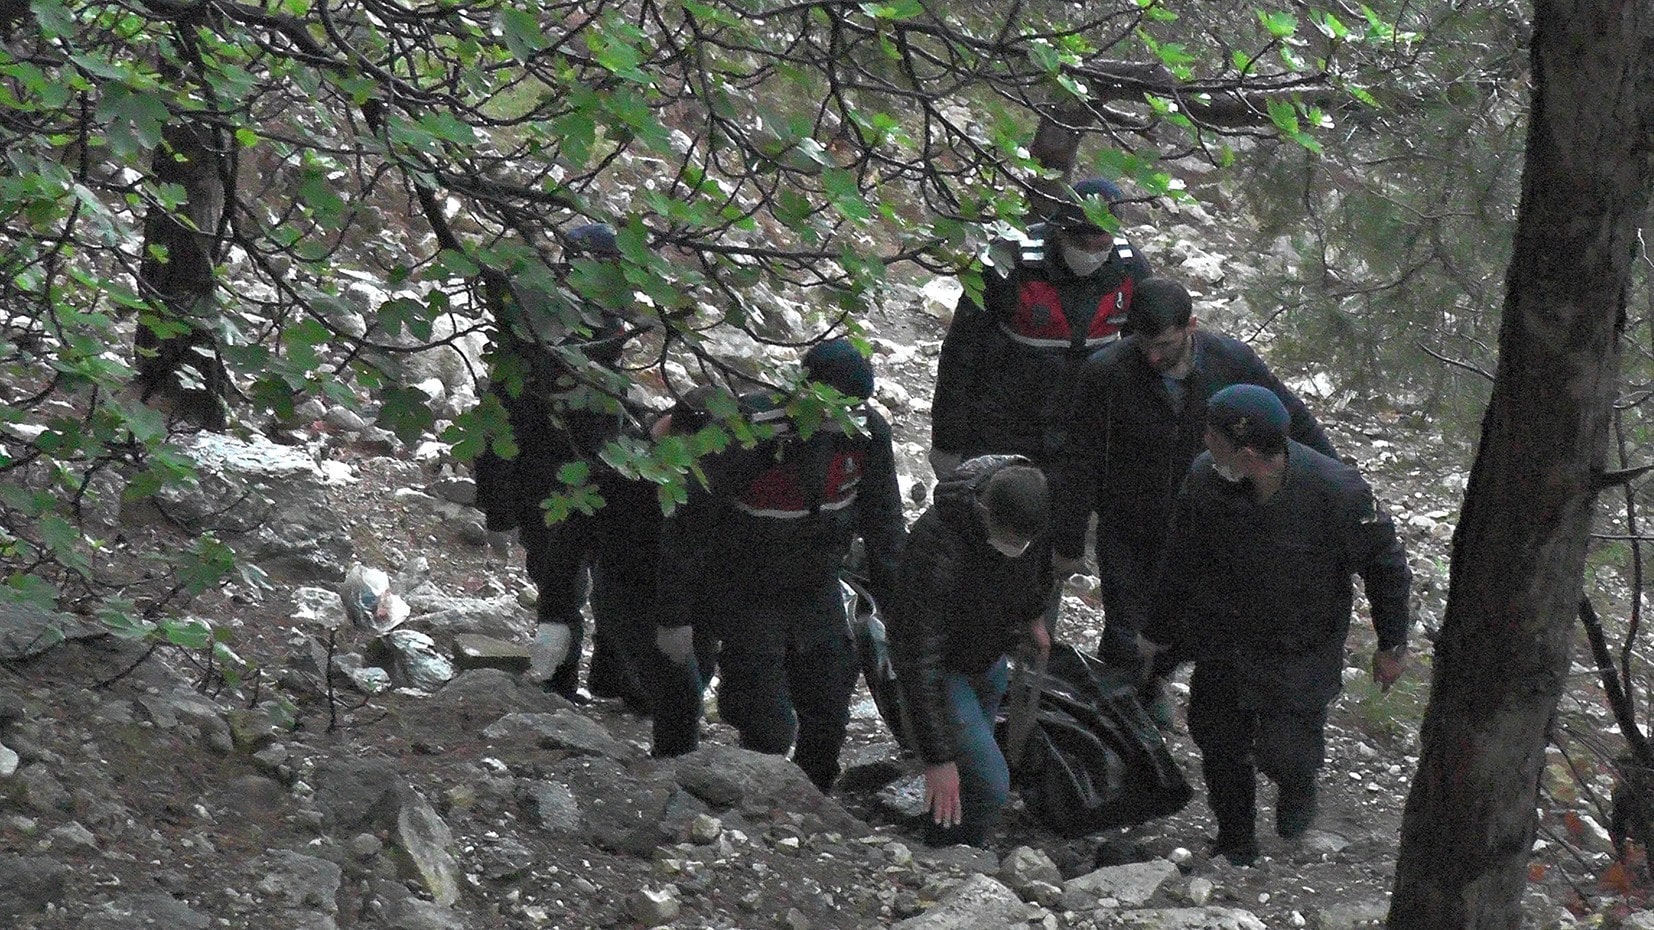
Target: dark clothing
1130 445
625 609
1268 586
960 605
1008 364
554 421
777 694
1236 742
781 517
756 558
554 418
1260 596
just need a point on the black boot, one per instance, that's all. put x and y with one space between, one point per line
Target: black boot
1230 790
1295 809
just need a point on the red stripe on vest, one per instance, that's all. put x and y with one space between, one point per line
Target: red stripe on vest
1113 304
776 492
1039 313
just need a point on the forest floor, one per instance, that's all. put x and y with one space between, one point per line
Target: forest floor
125 801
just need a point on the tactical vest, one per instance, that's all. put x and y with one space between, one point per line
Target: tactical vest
805 478
1040 320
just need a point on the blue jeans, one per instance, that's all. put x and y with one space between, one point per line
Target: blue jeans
984 778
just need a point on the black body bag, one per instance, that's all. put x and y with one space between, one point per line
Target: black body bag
873 650
1094 759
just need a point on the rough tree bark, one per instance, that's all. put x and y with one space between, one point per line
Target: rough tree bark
1519 553
183 373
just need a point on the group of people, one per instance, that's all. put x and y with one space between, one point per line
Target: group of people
1076 391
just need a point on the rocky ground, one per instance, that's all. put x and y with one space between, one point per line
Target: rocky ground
140 789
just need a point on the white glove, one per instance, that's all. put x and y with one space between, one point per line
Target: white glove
676 642
1148 648
943 462
551 647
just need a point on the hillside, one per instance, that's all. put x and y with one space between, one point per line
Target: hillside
142 791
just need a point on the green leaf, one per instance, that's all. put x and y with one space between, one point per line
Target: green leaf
1331 26
520 28
444 125
322 196
405 412
840 187
63 539
124 624
576 472
1280 25
897 10
133 120
55 19
1284 115
189 633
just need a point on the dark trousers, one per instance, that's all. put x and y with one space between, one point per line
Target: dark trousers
788 667
676 690
557 558
624 611
616 548
1237 738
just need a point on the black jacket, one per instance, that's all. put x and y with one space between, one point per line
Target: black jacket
781 516
959 604
554 417
1130 446
1008 364
1268 587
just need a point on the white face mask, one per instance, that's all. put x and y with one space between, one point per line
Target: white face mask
1228 473
1008 550
1081 262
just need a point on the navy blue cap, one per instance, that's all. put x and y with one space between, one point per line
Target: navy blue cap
1249 415
1071 214
837 362
1099 187
597 239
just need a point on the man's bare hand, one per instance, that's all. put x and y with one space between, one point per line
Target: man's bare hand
942 794
1388 665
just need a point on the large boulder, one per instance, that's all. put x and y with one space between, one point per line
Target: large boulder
725 776
26 630
979 903
270 502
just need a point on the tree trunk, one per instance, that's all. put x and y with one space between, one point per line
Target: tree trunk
182 372
1519 553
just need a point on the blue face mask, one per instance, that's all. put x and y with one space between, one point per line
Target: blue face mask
1229 473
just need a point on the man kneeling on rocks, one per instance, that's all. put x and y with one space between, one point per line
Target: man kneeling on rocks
976 575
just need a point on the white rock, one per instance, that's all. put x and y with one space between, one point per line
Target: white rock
335 474
432 388
652 906
705 829
1205 267
940 296
255 457
319 606
1132 884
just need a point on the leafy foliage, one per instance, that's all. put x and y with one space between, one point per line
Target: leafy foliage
395 179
